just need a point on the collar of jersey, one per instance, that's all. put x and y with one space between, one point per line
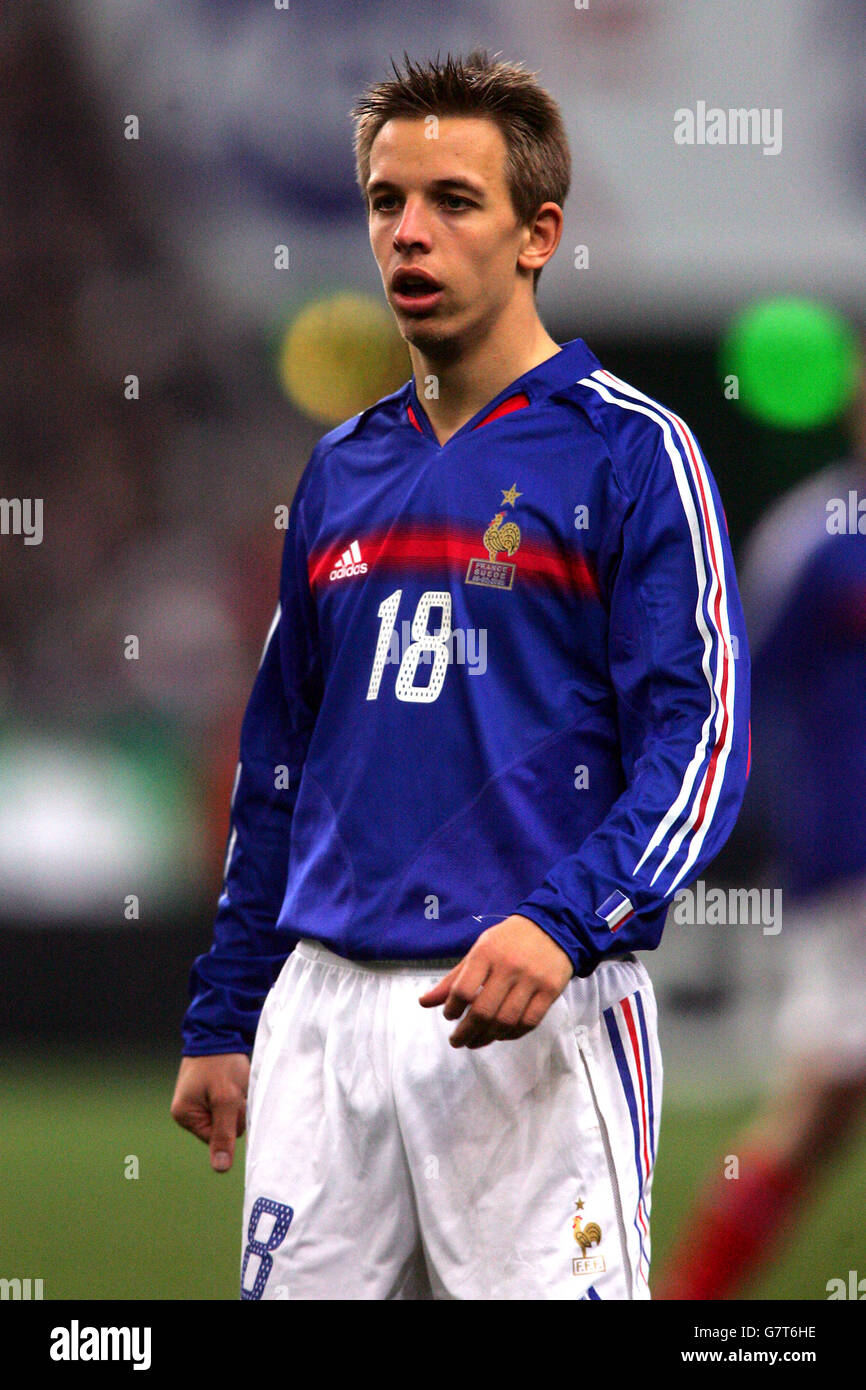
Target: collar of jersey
573 361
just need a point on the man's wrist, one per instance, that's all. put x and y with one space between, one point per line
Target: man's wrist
583 963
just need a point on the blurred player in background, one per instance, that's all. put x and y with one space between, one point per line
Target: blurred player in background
414 828
804 594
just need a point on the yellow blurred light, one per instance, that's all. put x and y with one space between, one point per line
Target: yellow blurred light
341 354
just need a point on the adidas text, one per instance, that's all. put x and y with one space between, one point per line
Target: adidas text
342 571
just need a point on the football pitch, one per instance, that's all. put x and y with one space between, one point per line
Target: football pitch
104 1197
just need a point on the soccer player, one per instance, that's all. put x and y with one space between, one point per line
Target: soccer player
501 715
804 593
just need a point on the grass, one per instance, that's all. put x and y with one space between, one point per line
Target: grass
829 1237
71 1127
68 1213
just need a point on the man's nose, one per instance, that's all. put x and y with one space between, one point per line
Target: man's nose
413 227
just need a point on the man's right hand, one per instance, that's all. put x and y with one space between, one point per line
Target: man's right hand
210 1100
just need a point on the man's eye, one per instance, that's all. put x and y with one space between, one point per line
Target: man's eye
379 204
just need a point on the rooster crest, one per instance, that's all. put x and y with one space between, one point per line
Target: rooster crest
498 537
590 1235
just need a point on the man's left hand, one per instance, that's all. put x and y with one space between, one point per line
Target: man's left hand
508 980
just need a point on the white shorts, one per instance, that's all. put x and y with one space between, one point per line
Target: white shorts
823 961
383 1163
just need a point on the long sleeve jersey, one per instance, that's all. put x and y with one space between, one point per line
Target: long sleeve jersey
507 674
804 595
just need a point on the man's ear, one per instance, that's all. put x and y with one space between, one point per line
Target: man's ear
541 237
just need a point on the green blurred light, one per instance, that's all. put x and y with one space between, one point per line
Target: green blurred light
797 362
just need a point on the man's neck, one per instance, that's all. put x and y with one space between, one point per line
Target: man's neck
464 384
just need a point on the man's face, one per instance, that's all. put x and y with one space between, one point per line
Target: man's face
442 205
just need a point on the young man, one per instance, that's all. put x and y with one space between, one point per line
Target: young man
495 837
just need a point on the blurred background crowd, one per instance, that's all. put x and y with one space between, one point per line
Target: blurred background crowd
163 380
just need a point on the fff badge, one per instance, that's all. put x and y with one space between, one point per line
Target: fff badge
500 535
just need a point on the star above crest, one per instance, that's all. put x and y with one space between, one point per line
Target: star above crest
511 495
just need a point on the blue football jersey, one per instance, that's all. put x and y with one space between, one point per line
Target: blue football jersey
508 673
804 595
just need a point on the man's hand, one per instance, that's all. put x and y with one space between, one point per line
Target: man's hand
509 979
210 1100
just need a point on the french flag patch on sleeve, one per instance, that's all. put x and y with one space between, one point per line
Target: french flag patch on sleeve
615 910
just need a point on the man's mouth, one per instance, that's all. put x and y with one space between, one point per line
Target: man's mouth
412 290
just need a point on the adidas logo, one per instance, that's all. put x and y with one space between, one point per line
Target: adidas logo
350 562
